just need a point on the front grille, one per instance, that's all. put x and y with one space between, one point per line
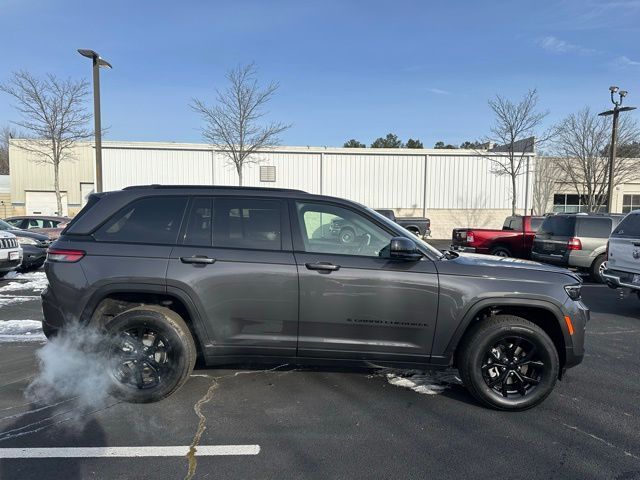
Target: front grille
8 243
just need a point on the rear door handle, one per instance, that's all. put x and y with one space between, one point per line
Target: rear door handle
198 259
322 266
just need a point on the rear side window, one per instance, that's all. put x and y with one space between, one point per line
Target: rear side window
199 220
629 227
594 227
558 226
535 223
154 220
512 223
247 223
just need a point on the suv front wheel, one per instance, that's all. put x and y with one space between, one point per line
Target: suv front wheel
508 363
152 353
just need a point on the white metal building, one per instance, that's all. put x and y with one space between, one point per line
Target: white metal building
452 187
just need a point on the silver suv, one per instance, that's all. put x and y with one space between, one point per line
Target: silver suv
10 253
576 241
623 265
249 274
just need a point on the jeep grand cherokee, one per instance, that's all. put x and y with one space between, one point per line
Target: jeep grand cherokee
252 274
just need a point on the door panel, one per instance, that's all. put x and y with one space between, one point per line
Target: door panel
366 306
240 275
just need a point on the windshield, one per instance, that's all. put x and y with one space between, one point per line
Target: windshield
432 250
5 226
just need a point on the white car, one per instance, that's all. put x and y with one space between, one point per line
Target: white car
10 253
623 254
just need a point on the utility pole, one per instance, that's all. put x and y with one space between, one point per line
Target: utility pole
617 108
97 63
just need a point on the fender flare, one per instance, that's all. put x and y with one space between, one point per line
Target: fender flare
484 303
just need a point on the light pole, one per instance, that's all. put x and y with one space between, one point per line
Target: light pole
617 108
97 63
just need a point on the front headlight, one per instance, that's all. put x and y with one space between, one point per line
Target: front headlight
574 291
26 241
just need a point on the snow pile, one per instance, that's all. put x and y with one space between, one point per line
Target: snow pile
424 382
6 300
21 331
36 281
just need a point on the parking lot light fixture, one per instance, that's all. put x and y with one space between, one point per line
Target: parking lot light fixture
97 62
617 108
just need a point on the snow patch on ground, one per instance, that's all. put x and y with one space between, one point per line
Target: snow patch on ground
36 281
4 300
424 382
21 331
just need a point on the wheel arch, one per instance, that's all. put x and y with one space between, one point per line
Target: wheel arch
113 299
544 314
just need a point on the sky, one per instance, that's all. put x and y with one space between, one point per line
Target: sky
346 69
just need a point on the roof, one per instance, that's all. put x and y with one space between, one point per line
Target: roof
212 187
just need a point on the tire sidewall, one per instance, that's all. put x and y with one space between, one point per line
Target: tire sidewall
596 276
547 353
495 251
179 354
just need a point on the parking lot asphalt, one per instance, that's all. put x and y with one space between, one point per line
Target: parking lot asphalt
329 423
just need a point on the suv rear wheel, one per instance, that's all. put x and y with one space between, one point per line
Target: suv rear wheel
500 252
152 353
508 363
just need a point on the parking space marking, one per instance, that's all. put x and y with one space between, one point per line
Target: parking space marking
128 452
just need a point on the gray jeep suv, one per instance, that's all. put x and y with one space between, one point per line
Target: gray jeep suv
250 274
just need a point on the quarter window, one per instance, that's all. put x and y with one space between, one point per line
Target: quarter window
594 227
198 229
154 220
336 230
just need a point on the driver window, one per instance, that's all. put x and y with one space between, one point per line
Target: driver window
336 230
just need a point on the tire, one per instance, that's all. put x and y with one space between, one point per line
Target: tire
598 265
500 252
415 231
498 335
2 274
347 235
137 376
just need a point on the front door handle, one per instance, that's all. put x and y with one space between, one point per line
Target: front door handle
198 259
322 266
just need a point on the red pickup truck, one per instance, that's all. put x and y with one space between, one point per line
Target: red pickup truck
514 240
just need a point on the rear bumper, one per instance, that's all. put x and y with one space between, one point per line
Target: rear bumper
53 319
460 248
559 260
620 279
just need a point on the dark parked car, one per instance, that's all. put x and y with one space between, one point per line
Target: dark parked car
50 226
250 274
575 240
34 246
514 239
419 226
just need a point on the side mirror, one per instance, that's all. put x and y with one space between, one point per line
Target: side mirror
402 248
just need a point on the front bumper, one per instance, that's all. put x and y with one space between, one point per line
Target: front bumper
33 255
619 279
7 263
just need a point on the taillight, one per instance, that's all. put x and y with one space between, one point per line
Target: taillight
574 244
470 237
64 255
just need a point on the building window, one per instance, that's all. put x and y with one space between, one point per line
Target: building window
572 203
268 173
630 202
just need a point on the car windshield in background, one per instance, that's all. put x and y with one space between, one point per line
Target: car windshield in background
558 226
629 227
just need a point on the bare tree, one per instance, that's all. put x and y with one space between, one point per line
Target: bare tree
6 134
514 128
53 115
581 142
547 176
233 123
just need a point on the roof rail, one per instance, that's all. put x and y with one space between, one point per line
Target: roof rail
212 187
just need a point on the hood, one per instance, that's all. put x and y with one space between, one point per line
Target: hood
5 234
39 237
503 266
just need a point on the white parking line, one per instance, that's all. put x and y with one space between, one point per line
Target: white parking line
129 452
